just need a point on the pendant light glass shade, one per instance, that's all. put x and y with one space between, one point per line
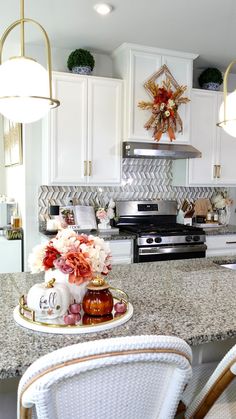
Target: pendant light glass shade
227 114
25 85
24 90
230 118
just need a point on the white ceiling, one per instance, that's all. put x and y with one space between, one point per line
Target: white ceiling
205 27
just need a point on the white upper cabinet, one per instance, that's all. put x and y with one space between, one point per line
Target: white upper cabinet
136 64
217 164
82 138
203 136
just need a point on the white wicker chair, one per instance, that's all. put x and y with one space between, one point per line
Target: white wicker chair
211 393
139 377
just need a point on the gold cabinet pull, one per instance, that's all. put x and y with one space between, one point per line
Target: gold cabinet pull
218 172
90 168
85 168
214 171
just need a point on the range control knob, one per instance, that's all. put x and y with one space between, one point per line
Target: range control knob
158 240
196 238
150 240
188 238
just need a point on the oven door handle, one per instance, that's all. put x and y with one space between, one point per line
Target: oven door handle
172 249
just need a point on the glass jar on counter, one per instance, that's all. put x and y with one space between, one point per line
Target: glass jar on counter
98 300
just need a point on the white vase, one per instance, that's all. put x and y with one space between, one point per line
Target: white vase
104 224
77 292
224 215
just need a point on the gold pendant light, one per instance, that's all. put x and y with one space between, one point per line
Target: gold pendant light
227 113
25 85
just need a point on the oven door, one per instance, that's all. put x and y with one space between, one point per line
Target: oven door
156 253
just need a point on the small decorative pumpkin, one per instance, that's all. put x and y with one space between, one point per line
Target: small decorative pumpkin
49 300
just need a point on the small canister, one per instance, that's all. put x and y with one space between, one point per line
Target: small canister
98 300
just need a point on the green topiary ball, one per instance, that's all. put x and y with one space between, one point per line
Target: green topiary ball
80 58
210 75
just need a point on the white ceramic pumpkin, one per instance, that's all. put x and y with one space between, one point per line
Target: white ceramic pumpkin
77 292
49 300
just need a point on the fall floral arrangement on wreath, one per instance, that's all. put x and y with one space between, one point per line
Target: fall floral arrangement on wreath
167 98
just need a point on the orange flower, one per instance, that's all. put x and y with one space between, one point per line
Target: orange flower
84 239
82 270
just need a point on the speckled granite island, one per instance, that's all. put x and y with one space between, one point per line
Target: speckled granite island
194 299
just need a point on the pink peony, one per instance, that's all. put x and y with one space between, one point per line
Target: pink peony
81 268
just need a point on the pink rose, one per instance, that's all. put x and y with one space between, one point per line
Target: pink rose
101 214
62 266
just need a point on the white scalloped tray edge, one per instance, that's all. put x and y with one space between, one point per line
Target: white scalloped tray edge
73 330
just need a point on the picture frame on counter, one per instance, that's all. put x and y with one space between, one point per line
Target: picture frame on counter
12 139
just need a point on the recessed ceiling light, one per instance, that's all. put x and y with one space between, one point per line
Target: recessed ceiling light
103 8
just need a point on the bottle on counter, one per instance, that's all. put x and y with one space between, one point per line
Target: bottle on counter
209 216
215 217
16 220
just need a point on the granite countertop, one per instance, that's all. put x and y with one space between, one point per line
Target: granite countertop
221 230
193 299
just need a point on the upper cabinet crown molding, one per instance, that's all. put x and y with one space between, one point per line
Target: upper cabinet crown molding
82 138
126 46
136 64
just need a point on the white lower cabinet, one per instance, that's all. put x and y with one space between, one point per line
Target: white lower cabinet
11 255
221 245
122 251
82 137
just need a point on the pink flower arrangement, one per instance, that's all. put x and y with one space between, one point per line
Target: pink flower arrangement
80 256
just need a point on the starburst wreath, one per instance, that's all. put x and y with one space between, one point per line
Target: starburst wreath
165 104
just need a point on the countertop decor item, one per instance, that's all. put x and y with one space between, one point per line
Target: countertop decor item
104 214
48 300
84 323
167 97
72 259
81 61
210 79
98 300
221 202
26 86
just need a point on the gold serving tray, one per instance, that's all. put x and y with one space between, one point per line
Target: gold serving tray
26 317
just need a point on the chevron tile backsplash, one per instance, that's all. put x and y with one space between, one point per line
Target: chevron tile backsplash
141 179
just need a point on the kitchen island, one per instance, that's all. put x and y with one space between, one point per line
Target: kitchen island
194 299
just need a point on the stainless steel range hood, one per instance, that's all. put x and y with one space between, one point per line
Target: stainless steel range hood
159 151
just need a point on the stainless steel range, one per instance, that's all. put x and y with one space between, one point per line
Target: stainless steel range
158 236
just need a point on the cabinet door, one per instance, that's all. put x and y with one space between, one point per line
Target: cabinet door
226 153
104 130
122 251
11 255
221 245
143 65
182 70
203 137
67 142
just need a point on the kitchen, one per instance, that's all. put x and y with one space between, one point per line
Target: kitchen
53 169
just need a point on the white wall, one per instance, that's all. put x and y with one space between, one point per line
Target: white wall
103 62
2 166
32 134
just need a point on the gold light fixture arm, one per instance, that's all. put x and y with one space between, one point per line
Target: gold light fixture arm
47 43
22 29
